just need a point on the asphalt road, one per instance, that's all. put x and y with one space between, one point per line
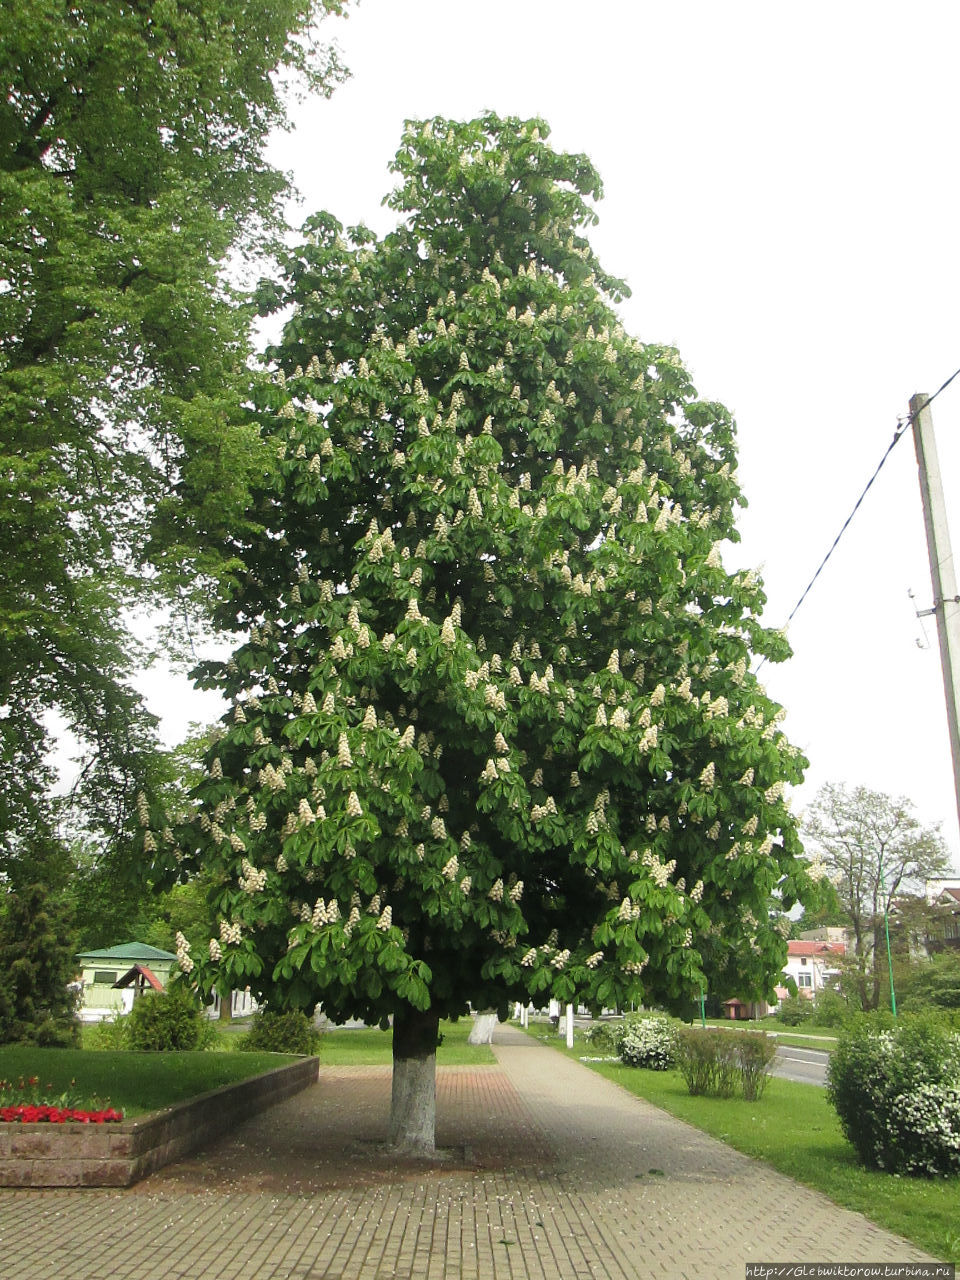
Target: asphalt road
806 1066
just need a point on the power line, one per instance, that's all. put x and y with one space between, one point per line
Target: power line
902 425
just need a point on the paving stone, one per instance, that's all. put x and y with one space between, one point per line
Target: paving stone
540 1182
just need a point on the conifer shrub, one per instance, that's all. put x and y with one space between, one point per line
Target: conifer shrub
164 1020
896 1091
276 1032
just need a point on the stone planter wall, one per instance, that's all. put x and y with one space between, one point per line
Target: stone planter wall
116 1155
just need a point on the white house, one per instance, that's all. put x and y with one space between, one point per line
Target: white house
812 964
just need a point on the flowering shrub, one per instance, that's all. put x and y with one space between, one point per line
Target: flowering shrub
649 1042
28 1102
897 1094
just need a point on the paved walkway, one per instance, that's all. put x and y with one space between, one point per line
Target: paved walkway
553 1173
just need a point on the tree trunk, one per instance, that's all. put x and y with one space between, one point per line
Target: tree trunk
484 1025
226 1007
413 1109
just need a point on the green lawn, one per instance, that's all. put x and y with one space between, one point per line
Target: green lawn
139 1082
134 1083
369 1046
794 1128
807 1036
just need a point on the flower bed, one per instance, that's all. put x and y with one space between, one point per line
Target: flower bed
26 1102
30 1113
91 1154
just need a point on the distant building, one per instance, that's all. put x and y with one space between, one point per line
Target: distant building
112 977
944 894
813 963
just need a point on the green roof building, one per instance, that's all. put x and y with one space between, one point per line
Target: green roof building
138 964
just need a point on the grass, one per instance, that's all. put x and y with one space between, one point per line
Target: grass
807 1036
369 1046
794 1129
134 1083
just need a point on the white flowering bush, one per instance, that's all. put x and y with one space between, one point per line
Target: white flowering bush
649 1042
493 730
897 1094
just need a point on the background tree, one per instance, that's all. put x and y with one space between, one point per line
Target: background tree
934 983
131 164
874 850
37 953
494 733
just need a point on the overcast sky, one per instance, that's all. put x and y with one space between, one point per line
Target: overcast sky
781 195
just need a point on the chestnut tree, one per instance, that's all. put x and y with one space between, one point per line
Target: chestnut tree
493 730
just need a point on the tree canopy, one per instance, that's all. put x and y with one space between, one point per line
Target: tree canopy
131 164
877 853
493 732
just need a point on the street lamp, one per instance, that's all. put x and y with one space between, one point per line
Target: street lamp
886 929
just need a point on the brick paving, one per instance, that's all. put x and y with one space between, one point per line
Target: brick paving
549 1173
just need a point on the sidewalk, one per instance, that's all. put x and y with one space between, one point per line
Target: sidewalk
553 1173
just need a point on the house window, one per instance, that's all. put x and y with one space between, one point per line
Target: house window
105 977
804 979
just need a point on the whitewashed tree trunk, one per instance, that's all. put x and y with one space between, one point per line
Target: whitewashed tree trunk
483 1027
413 1106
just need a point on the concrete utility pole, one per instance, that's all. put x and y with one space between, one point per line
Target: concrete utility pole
946 601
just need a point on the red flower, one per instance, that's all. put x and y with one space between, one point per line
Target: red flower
27 1113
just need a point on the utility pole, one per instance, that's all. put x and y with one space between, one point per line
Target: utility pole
946 601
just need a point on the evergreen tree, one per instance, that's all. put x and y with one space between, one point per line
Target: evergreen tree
494 733
37 956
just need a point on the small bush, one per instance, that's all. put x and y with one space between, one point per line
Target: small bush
648 1042
605 1036
896 1091
291 1032
794 1011
716 1062
755 1052
696 1051
163 1020
830 1008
